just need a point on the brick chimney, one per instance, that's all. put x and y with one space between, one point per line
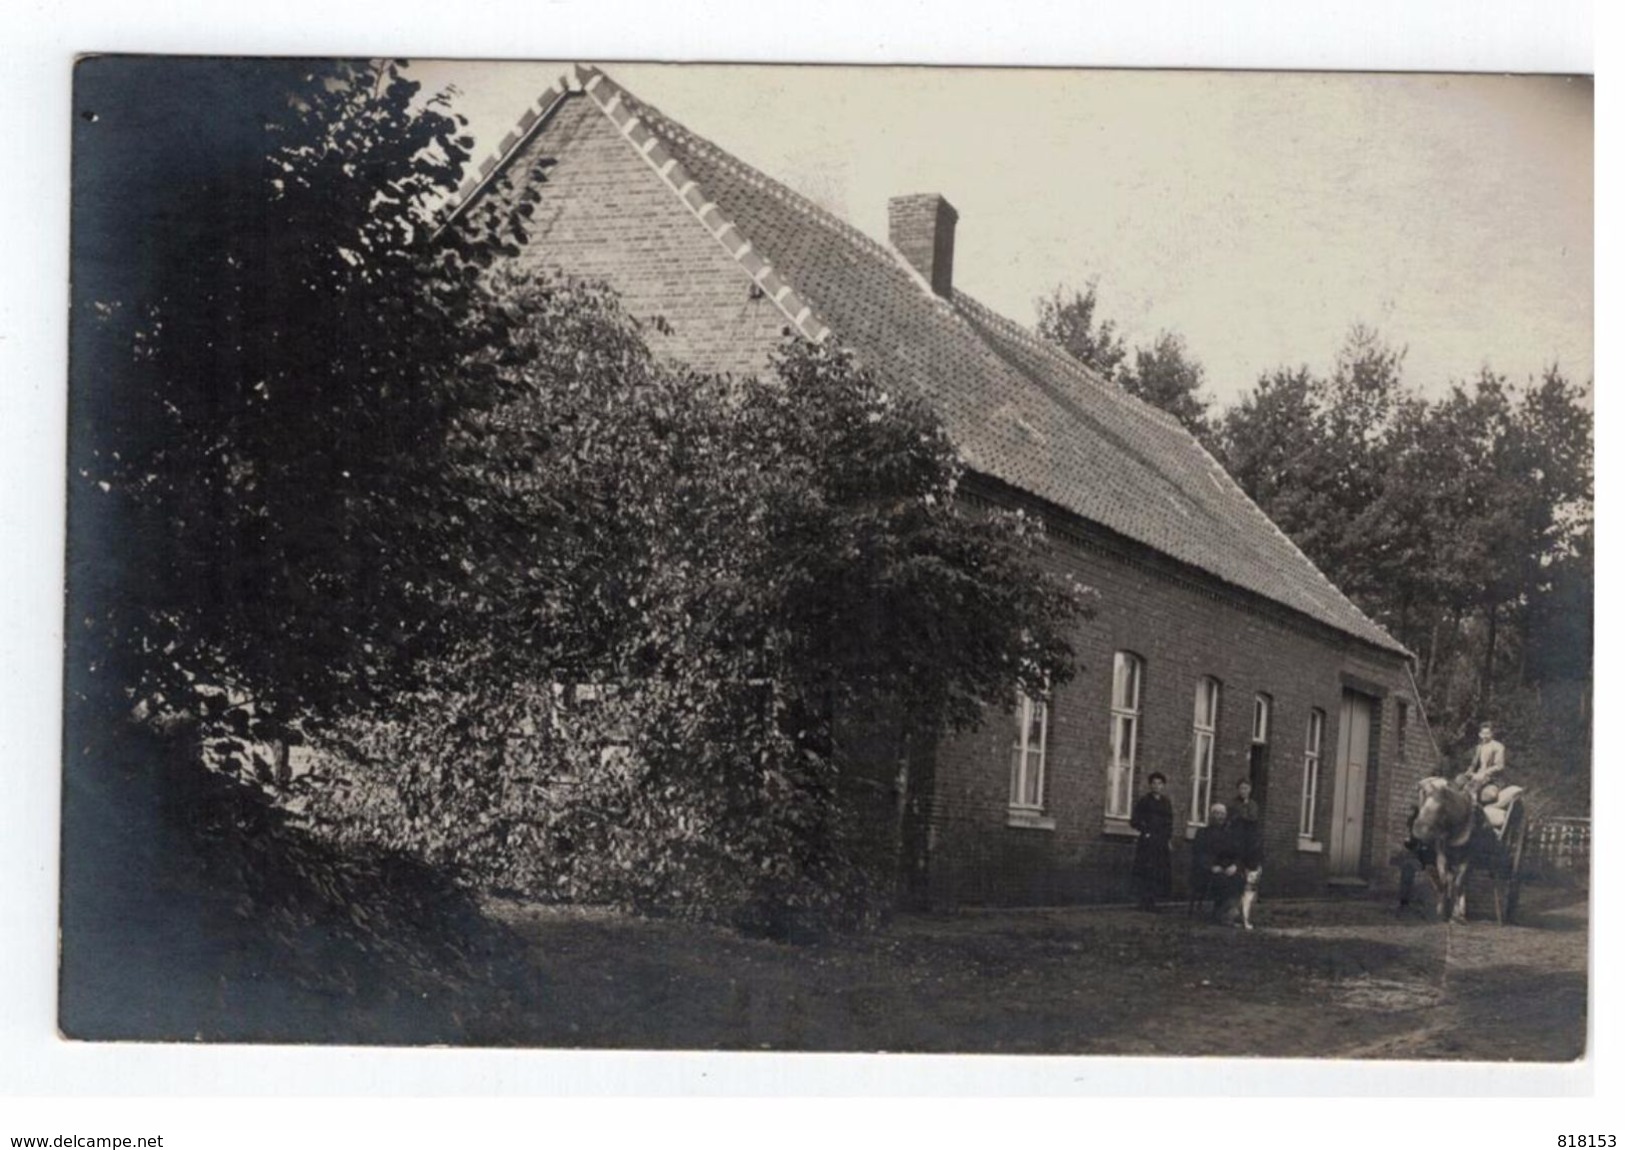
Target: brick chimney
922 228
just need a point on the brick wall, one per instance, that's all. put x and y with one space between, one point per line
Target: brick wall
1184 627
604 216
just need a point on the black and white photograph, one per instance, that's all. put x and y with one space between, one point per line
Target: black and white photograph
604 556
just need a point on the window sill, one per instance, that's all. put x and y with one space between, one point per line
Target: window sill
1029 820
1118 828
1310 846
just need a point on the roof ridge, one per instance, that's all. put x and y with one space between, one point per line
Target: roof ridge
617 105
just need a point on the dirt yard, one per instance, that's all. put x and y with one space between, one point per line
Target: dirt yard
1343 979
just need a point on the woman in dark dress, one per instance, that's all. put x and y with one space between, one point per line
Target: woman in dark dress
1154 818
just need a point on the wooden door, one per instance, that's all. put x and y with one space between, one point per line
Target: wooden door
1348 794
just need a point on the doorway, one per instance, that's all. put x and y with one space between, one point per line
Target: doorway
1348 795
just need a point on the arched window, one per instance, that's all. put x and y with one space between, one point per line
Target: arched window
1128 673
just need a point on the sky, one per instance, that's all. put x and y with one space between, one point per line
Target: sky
1258 214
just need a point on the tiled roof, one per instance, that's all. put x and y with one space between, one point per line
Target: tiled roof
1018 409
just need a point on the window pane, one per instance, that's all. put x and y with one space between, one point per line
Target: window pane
1207 703
1027 754
1311 783
1035 724
1201 776
1120 771
1032 794
1125 682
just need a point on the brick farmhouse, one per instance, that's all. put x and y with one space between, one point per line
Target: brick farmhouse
1218 650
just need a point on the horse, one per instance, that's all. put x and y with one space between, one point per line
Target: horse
1449 818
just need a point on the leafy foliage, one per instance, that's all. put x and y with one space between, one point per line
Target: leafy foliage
384 485
1462 524
722 585
1068 320
297 366
1165 376
273 356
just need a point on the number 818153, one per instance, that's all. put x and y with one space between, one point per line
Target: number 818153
1586 1142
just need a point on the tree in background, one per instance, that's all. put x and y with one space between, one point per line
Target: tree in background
1314 453
1463 525
1163 374
1068 320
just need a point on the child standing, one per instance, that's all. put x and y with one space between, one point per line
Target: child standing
1245 814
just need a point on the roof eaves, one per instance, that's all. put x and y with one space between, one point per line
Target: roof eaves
613 101
1216 473
1379 633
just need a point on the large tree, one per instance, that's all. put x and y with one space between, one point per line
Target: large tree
272 364
737 602
268 406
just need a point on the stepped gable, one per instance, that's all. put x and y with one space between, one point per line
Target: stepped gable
1018 409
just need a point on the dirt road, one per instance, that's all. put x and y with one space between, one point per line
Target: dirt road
1318 980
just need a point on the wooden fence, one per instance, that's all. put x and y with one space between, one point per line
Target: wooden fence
1559 846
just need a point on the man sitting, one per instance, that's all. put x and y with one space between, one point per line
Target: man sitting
1489 760
1219 862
